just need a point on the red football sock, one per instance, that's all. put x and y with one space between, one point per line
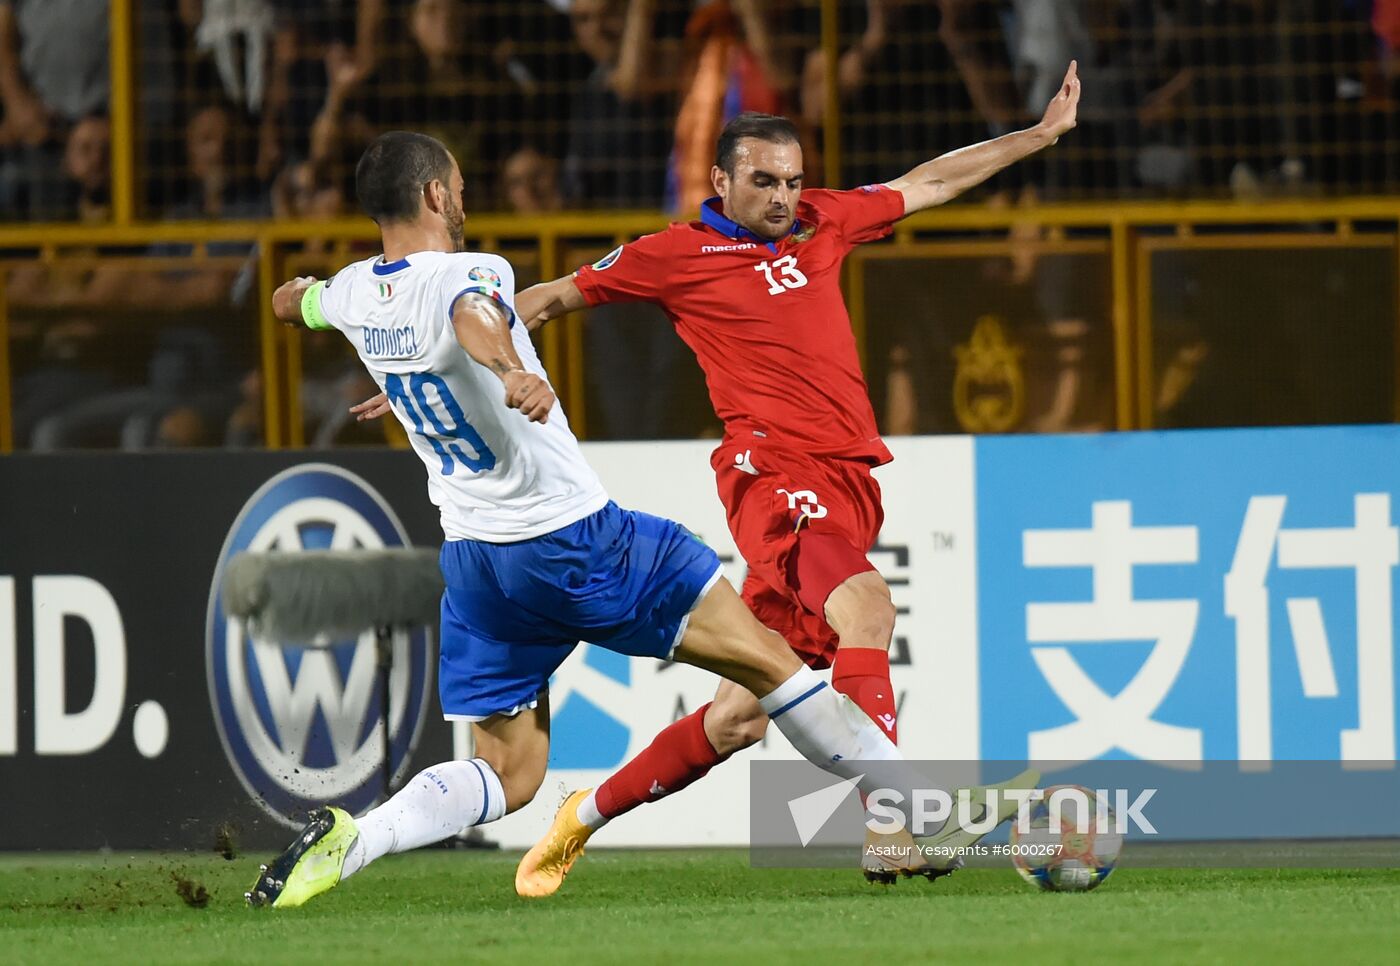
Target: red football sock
863 675
679 755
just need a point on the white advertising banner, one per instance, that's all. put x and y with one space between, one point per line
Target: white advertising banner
607 708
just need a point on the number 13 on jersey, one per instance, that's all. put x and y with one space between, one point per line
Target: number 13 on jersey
782 274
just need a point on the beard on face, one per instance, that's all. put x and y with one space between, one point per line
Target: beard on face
765 229
455 219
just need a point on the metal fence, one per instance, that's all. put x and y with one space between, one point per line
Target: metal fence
972 319
213 109
1213 245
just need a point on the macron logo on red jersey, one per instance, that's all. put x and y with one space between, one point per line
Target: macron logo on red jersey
741 246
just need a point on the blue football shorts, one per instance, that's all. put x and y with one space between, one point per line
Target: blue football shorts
512 612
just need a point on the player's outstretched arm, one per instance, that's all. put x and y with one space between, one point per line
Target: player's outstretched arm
941 180
548 300
483 330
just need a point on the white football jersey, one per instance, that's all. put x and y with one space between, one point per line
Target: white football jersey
495 475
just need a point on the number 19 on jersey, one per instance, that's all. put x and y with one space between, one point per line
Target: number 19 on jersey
478 460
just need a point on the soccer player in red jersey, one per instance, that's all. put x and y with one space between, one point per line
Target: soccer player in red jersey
753 287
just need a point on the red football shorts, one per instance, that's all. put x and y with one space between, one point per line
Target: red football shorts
804 524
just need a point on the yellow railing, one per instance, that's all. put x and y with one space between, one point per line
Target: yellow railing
1122 236
1125 234
122 108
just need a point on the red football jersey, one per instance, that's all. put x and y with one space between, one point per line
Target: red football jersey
765 319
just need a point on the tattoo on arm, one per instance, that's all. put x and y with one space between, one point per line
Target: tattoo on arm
486 305
483 329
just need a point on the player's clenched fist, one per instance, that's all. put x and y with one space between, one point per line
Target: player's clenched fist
286 301
528 393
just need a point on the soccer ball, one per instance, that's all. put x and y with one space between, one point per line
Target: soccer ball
1053 854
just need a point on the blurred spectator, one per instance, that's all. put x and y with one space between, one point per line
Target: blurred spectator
639 374
307 192
730 67
536 49
930 61
530 182
219 176
184 392
68 368
1045 36
619 125
972 34
80 187
181 428
334 131
619 135
326 400
901 395
332 378
53 73
852 70
88 280
1385 20
1216 64
319 188
232 29
245 423
87 166
53 64
618 141
297 82
445 82
1339 128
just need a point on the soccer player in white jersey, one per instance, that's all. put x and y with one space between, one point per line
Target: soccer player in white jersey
536 557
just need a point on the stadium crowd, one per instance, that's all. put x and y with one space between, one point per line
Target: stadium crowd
255 107
259 108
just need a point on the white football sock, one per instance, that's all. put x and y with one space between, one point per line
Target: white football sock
588 812
437 802
837 736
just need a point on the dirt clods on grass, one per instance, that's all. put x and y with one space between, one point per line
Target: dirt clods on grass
190 891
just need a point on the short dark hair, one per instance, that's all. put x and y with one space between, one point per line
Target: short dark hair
391 174
751 124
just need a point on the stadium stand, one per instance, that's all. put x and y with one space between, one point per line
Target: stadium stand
158 178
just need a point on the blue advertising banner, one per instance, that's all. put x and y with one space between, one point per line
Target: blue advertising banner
1188 596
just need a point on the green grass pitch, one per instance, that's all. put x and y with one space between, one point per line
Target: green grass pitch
685 907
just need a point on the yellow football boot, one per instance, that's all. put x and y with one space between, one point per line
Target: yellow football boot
309 866
542 871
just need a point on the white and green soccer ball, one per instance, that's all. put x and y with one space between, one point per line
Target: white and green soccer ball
1066 848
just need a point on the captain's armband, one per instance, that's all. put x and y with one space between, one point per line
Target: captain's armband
311 312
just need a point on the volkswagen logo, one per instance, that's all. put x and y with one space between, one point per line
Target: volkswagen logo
302 725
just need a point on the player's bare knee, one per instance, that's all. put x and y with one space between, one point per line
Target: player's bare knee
878 626
731 729
861 612
724 637
750 731
520 780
